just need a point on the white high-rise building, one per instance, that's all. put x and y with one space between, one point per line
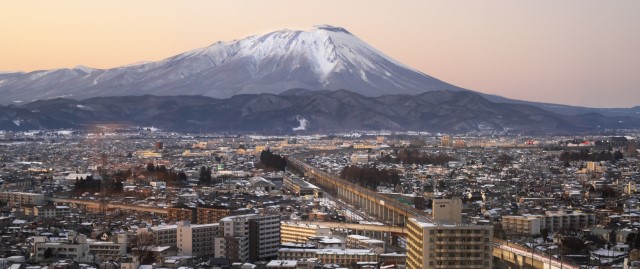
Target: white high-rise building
248 238
433 245
196 239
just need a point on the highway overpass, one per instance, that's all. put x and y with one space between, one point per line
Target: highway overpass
96 204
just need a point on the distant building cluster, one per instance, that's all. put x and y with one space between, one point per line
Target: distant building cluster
142 198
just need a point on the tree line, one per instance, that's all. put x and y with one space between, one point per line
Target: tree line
274 161
161 173
370 177
205 175
587 155
89 184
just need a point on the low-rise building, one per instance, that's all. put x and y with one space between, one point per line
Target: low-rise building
522 225
299 186
181 213
363 242
78 248
21 198
109 250
346 257
299 232
206 215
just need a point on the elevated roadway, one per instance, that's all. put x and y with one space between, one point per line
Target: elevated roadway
358 227
97 204
384 208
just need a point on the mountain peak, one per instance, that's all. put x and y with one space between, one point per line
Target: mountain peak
330 28
324 58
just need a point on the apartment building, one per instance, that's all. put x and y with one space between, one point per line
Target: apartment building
522 225
299 232
165 235
297 264
296 253
74 247
249 237
551 220
21 198
363 242
196 239
346 257
181 213
434 245
109 250
78 248
557 220
206 215
343 257
46 211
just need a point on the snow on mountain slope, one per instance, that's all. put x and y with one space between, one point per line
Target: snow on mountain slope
323 58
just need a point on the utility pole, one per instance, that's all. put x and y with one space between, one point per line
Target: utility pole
532 250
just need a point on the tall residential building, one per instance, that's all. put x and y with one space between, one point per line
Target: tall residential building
433 245
300 233
196 239
249 237
632 150
164 235
446 141
595 167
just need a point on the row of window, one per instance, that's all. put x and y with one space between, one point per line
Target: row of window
460 239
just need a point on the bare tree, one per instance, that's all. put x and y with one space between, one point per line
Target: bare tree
142 245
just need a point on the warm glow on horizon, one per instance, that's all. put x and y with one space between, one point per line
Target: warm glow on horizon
569 52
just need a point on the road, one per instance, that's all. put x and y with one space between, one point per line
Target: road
527 253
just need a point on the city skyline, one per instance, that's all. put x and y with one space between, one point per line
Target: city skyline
576 52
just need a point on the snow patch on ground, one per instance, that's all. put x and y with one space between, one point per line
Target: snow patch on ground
303 124
85 69
83 107
38 74
363 75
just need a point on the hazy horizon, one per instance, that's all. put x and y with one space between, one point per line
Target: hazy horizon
575 52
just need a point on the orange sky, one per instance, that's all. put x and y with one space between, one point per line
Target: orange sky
572 52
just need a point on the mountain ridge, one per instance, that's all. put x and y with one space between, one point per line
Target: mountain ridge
323 111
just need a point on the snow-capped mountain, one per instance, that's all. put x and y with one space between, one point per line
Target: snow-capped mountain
323 58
